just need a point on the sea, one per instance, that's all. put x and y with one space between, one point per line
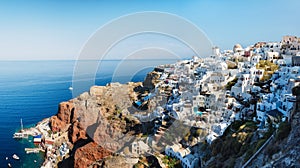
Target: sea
32 90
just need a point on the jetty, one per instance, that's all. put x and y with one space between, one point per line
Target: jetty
34 150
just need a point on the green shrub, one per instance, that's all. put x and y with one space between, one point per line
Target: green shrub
171 162
216 146
260 144
283 131
272 149
231 83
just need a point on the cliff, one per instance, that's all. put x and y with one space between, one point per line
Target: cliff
98 123
284 150
88 154
151 80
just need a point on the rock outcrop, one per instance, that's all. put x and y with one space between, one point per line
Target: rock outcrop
66 115
104 113
76 132
97 123
151 80
289 153
88 154
115 161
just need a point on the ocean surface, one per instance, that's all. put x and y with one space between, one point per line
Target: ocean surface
32 90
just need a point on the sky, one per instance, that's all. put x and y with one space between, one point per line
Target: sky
55 30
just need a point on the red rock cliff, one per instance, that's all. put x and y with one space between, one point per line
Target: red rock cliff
88 154
66 115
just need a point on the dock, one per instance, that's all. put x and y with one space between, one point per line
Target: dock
34 150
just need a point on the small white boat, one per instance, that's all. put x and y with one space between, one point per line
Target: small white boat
70 88
16 157
9 165
34 161
6 158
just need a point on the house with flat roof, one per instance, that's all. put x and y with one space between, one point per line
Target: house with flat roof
140 148
187 159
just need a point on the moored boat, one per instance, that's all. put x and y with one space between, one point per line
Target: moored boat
16 157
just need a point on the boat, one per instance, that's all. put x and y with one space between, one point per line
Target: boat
20 134
6 158
9 165
16 157
70 88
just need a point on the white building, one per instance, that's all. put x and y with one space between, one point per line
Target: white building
199 101
273 56
242 86
255 59
216 77
139 148
183 154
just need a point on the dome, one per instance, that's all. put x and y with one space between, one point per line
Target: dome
237 46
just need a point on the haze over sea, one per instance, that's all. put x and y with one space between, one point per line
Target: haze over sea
32 90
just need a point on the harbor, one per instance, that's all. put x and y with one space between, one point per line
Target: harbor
35 143
43 141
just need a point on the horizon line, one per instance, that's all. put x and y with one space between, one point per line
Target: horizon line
139 59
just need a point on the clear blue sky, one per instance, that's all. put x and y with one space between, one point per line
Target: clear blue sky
51 29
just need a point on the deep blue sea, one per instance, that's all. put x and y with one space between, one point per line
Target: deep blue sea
32 90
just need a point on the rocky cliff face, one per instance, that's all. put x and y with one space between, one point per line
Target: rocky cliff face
97 122
104 113
88 154
113 162
151 80
76 132
288 153
283 152
66 115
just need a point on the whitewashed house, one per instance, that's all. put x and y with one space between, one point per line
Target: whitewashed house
255 59
190 161
242 86
262 108
217 77
220 66
210 100
139 148
271 56
256 74
199 101
183 154
288 59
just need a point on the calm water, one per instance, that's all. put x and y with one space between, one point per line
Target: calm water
32 90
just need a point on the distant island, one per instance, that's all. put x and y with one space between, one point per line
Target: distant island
234 108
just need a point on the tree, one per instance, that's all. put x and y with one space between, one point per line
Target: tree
296 92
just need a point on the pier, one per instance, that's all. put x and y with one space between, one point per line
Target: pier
34 150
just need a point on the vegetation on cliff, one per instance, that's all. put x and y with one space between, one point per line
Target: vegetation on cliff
239 142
